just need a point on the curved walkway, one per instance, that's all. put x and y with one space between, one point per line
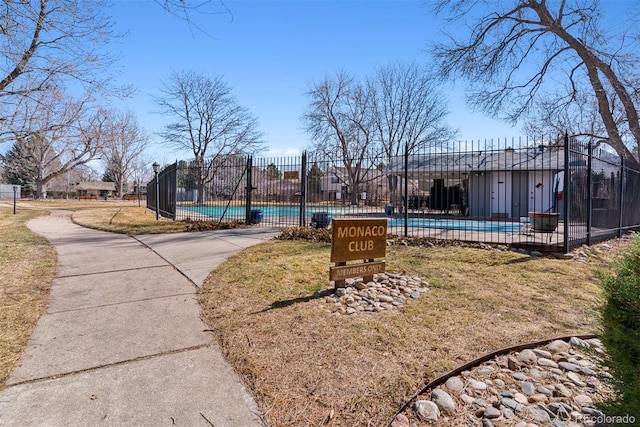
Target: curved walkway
122 342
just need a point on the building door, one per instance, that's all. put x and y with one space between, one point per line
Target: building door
541 191
501 194
479 195
520 196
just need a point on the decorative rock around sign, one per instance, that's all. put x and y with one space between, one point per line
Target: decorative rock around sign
387 291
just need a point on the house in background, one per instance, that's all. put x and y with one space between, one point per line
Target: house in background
373 188
334 184
139 189
277 187
94 189
495 184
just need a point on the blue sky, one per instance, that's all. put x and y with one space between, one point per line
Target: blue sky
269 52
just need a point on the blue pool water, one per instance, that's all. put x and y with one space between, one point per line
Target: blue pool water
456 224
293 211
240 211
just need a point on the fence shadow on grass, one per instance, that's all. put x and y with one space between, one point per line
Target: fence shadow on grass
289 302
520 260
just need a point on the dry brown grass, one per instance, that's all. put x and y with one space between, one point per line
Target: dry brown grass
75 205
308 367
117 216
126 220
27 269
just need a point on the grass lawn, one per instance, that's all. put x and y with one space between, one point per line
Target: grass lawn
116 216
305 365
126 220
27 268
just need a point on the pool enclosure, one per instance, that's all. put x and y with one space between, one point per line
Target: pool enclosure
550 195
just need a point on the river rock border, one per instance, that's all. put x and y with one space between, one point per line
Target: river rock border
554 385
387 291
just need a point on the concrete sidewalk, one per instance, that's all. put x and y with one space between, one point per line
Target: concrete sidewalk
122 342
197 254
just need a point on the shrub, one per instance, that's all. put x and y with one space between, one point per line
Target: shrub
306 233
621 331
191 225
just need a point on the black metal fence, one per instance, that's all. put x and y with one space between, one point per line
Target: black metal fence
603 199
164 185
541 194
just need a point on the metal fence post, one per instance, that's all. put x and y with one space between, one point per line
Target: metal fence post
405 202
156 186
589 192
566 193
621 192
249 188
172 191
303 190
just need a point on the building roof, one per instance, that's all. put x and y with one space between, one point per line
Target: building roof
458 163
95 185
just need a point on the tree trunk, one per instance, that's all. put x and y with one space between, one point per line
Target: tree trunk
200 178
119 185
393 187
41 189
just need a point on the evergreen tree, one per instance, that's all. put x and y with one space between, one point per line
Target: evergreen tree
187 178
113 173
108 175
20 167
273 172
314 178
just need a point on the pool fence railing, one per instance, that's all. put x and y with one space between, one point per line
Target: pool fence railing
551 195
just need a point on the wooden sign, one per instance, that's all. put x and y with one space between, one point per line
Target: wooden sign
364 269
291 175
358 239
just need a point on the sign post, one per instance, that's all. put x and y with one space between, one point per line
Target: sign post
357 239
15 197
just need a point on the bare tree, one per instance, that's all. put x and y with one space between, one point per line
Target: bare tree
124 143
187 10
580 119
209 122
516 52
59 133
410 109
340 119
410 112
46 42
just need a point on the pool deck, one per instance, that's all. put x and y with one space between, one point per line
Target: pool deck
525 236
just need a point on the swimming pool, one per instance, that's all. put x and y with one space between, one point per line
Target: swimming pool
273 211
292 212
457 224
